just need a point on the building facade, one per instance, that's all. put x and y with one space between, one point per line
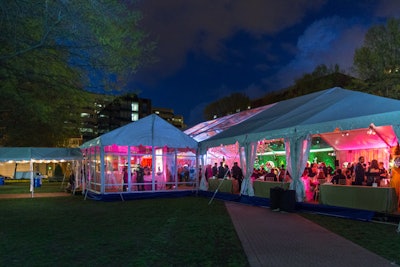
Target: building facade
169 115
105 113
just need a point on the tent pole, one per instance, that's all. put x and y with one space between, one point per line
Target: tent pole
31 172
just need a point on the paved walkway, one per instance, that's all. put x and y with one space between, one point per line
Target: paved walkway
275 239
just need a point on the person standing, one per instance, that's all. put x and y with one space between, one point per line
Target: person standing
227 171
215 170
125 178
221 171
373 173
383 174
237 174
140 178
359 171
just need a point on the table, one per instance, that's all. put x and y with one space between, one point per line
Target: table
226 186
380 199
261 188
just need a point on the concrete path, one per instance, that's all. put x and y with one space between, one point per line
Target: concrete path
272 238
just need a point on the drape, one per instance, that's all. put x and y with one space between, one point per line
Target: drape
297 151
203 183
381 154
248 161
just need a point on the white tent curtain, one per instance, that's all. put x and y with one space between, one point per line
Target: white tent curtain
203 183
297 151
248 162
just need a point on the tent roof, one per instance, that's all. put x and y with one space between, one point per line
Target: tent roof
329 111
149 131
39 153
207 129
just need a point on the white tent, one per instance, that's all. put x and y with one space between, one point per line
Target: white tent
333 114
18 154
136 140
151 131
38 154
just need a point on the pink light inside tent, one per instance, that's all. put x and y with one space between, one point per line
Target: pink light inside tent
366 138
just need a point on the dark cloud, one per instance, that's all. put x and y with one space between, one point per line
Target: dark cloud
388 8
327 41
208 49
182 26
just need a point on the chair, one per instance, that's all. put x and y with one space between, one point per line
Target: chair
269 179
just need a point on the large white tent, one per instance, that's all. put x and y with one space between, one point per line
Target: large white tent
150 138
345 119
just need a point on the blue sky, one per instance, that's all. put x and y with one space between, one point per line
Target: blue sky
208 49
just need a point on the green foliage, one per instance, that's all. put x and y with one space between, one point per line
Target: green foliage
48 50
227 105
378 60
321 78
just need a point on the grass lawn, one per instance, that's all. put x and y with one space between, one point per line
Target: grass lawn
23 186
380 238
68 231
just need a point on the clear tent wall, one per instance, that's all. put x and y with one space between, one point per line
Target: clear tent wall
138 169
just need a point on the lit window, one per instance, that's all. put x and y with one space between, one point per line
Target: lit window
135 106
135 116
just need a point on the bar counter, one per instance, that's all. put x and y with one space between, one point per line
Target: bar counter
261 188
380 199
227 185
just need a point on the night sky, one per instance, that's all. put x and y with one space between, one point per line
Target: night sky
208 49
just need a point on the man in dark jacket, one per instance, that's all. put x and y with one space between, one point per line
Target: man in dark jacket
237 173
221 170
359 171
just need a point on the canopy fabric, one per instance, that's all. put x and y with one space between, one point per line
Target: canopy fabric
39 153
326 111
207 129
149 131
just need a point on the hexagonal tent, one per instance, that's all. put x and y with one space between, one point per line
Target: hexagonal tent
149 155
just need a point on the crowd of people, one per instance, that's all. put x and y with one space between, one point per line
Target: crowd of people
223 171
271 174
359 173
